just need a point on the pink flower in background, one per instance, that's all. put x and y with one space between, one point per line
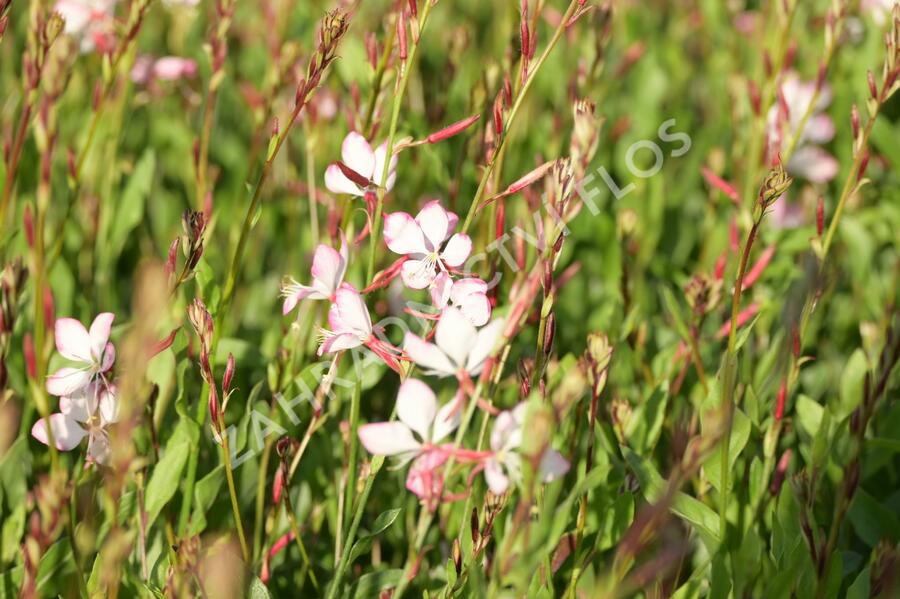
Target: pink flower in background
459 350
415 436
422 240
808 160
167 68
786 214
469 295
879 9
357 155
328 269
505 464
89 21
86 413
90 349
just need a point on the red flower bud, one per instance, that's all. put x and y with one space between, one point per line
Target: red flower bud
820 215
451 130
873 87
780 400
28 222
401 36
862 166
229 374
28 350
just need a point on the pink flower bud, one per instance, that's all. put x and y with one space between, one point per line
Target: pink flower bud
229 374
862 166
780 400
854 121
401 36
720 184
28 350
451 130
820 215
28 222
756 271
413 9
49 308
873 87
780 472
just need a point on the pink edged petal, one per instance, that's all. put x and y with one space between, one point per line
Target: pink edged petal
403 235
465 287
109 357
378 171
455 336
67 433
441 289
476 308
416 406
483 346
814 164
819 129
99 333
424 479
434 222
387 438
337 182
67 381
351 312
327 267
417 274
552 466
336 343
72 340
296 293
427 355
358 155
457 250
446 421
496 479
108 406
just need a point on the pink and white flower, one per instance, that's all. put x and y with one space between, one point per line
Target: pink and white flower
86 413
351 327
167 68
358 156
422 239
90 349
459 350
415 436
89 21
328 269
469 295
808 160
505 464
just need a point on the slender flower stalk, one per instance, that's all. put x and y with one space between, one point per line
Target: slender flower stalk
403 71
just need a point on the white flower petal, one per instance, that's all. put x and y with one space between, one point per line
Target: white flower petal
417 274
403 235
552 466
455 336
67 433
72 340
358 155
446 421
434 222
427 355
496 479
484 345
387 438
99 334
416 406
457 250
337 182
67 381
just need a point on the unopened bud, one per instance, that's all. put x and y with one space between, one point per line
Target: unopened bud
862 166
28 351
755 98
549 333
457 556
229 374
413 9
854 121
401 36
820 215
28 222
780 400
451 130
873 87
473 526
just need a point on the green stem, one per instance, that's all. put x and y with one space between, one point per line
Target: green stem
235 506
405 68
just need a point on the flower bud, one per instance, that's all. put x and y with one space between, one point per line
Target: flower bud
28 222
776 183
451 130
28 351
780 400
229 374
457 556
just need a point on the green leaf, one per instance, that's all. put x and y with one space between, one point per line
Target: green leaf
130 205
645 424
704 520
740 433
369 586
384 520
166 476
258 590
872 521
851 388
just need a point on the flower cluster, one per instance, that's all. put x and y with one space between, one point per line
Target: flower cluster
87 396
90 22
432 257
